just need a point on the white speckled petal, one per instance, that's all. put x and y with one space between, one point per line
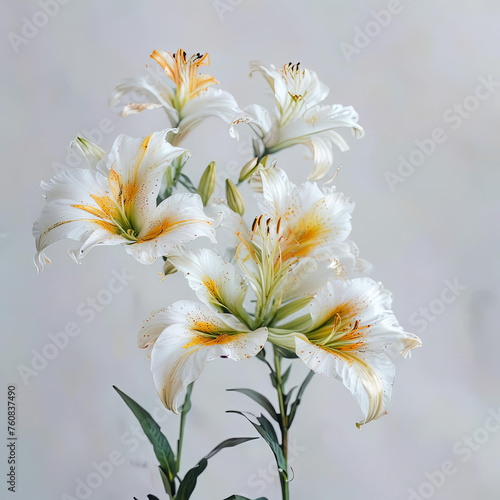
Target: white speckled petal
181 351
368 378
153 91
215 282
176 220
210 103
140 165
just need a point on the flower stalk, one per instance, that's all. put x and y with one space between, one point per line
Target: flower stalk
283 423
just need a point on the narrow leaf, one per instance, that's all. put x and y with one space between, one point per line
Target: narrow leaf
262 357
288 396
285 375
296 403
160 443
266 430
168 484
229 443
239 497
261 399
188 484
186 181
274 380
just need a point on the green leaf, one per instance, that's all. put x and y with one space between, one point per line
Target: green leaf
266 430
160 443
229 443
296 403
150 497
261 399
186 182
262 357
239 497
285 375
167 483
287 397
188 484
274 380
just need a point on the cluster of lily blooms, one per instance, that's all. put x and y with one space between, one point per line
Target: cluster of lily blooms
288 275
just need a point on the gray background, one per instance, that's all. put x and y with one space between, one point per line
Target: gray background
439 224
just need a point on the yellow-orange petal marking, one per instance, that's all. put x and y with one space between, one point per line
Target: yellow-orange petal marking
184 72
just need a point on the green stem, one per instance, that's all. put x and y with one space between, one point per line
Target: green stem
185 409
283 424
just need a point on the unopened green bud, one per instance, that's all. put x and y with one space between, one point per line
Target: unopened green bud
249 169
234 198
168 269
92 152
207 183
263 162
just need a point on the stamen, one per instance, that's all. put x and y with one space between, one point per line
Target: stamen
336 321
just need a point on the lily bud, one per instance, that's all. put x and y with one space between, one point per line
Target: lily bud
90 151
234 198
263 162
249 169
168 269
207 183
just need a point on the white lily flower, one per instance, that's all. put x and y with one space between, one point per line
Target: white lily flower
115 204
189 103
188 335
299 117
354 337
315 223
215 282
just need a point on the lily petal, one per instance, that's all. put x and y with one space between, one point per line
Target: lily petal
354 337
136 168
155 92
176 220
215 282
212 102
368 378
72 212
182 350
